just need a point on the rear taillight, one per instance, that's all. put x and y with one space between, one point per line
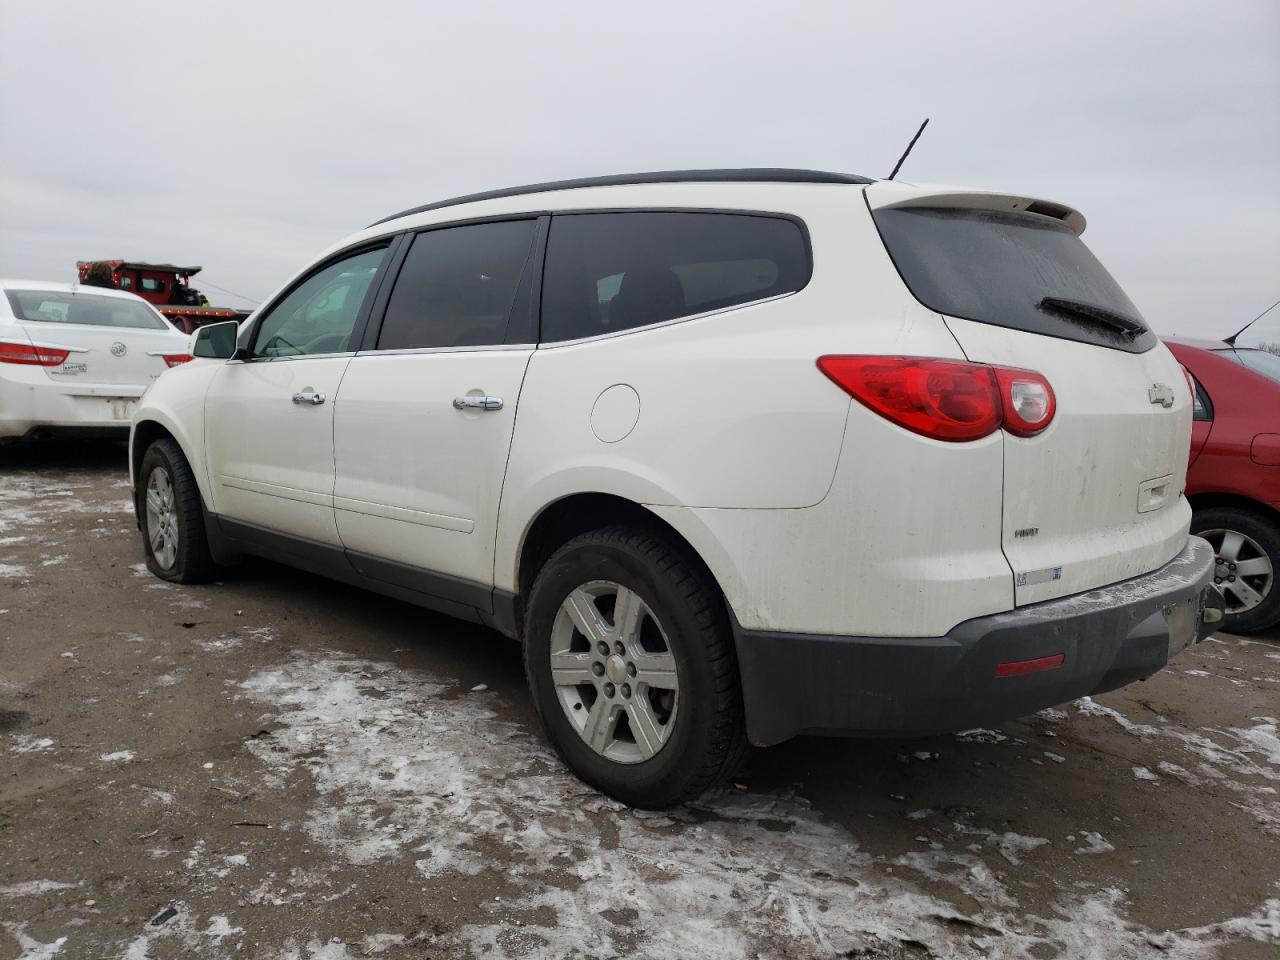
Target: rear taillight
1027 400
12 351
173 359
946 399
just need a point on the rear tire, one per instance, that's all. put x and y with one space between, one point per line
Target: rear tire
172 516
1244 541
648 709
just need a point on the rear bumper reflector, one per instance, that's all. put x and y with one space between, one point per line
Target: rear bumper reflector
1016 668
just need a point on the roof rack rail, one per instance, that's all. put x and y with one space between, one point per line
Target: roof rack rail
745 175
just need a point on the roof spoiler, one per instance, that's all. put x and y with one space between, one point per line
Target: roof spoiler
882 195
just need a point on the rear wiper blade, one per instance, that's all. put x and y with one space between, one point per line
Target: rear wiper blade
1094 313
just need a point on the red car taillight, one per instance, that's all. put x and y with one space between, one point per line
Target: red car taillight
173 359
946 399
13 352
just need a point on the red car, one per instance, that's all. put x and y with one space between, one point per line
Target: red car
1233 481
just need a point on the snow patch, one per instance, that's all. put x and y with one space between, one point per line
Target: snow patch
980 735
33 949
25 743
404 767
1094 843
120 756
1261 739
31 888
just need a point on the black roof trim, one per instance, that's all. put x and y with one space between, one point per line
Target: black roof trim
745 175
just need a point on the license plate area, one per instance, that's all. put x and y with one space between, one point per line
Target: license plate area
121 408
1183 621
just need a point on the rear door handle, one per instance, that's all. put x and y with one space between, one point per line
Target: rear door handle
477 403
308 395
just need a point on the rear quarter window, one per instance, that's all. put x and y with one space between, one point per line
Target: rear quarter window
1021 271
608 272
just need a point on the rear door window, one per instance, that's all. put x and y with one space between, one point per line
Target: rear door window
1021 271
607 272
460 287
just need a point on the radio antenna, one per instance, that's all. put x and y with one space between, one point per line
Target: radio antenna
1232 339
906 153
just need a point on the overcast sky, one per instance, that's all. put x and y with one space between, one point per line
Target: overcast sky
248 136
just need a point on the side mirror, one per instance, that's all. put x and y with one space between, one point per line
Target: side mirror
216 341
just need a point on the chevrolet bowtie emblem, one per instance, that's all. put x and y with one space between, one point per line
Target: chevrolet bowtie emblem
1161 394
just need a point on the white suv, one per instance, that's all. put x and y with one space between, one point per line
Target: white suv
736 455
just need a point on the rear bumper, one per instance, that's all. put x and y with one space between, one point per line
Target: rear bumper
1109 637
30 406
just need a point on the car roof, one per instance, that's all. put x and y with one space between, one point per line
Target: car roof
57 286
1198 343
744 175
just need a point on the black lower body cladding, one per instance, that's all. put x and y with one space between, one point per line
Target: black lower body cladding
886 686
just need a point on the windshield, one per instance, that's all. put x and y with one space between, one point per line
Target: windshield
1263 361
55 306
1021 271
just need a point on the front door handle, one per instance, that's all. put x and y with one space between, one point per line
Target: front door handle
308 395
477 403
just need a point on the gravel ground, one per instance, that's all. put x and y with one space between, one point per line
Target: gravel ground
277 766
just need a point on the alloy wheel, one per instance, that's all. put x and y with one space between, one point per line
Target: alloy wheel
614 671
162 518
1244 571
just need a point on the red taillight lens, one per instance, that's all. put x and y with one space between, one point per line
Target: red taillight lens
946 399
173 359
13 352
1028 401
943 399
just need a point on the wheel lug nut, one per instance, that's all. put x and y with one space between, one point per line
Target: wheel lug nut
603 648
631 669
608 689
619 649
1231 566
626 689
1231 579
1217 579
598 669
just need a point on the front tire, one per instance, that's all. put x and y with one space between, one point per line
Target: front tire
1247 546
631 664
172 515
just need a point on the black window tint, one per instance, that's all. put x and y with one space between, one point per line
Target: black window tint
459 286
319 314
1021 271
613 271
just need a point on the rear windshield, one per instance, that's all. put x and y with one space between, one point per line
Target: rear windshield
1020 271
1263 361
52 306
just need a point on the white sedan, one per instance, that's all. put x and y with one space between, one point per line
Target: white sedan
75 359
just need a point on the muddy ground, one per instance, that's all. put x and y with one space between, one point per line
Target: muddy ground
277 766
